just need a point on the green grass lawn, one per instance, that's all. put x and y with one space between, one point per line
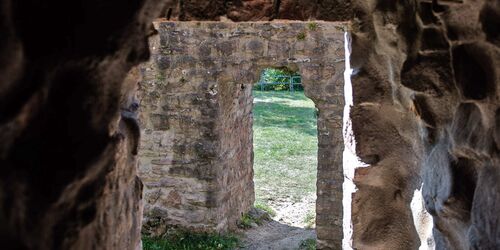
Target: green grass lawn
285 145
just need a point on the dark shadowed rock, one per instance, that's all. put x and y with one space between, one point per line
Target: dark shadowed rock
67 123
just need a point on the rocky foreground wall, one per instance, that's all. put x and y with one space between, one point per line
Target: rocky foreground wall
426 110
67 130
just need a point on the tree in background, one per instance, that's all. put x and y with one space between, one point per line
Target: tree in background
279 75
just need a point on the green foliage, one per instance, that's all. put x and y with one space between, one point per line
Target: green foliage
312 26
181 240
279 75
301 36
246 221
265 207
309 244
275 87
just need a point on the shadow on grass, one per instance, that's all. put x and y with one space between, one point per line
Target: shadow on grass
281 115
285 94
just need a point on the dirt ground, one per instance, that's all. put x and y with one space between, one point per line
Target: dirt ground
294 213
288 229
273 235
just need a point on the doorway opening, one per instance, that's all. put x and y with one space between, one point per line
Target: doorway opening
285 145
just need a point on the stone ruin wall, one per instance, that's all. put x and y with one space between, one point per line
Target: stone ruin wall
196 118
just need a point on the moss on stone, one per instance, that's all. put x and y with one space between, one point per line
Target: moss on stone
301 36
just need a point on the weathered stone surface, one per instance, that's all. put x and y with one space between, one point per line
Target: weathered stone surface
67 128
206 157
258 10
425 96
246 10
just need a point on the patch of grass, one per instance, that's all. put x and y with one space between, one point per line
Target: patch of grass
181 240
246 221
312 26
309 244
265 207
310 219
285 146
301 36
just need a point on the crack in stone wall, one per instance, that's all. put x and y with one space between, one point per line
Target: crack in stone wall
196 105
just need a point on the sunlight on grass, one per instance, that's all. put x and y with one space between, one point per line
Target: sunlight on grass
285 145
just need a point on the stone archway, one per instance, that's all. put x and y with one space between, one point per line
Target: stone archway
196 152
